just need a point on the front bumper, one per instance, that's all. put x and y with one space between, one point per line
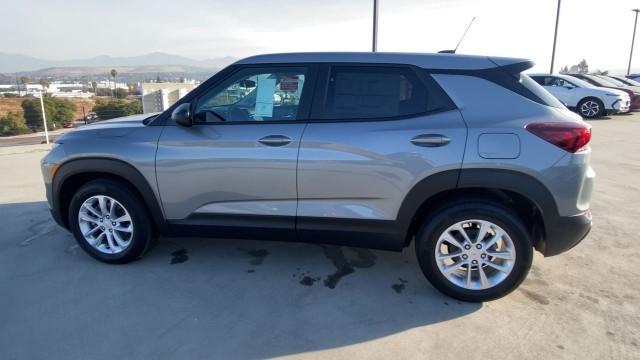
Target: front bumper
57 217
565 233
49 166
621 106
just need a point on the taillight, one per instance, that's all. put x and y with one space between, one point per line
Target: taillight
570 136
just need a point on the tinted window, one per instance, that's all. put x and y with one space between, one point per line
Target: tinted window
539 79
552 81
252 94
367 92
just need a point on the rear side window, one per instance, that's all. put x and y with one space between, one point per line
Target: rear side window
372 92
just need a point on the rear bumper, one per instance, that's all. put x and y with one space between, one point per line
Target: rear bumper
565 233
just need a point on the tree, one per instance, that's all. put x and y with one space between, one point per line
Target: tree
564 70
104 92
24 81
13 124
132 88
114 73
600 72
45 84
109 109
583 68
134 107
158 80
121 93
94 86
59 112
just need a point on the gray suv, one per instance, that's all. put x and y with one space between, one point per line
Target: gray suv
465 156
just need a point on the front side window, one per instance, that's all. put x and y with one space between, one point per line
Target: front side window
267 94
373 93
560 82
543 96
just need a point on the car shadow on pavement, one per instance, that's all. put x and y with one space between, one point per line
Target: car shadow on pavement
196 298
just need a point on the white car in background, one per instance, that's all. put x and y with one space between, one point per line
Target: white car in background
588 100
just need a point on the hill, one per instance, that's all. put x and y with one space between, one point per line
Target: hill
12 63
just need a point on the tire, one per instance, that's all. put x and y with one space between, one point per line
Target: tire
431 241
136 235
590 108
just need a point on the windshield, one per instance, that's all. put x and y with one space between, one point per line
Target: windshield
628 81
600 81
612 80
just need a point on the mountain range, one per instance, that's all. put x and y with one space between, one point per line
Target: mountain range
12 63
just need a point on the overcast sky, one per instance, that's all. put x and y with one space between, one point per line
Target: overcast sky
597 30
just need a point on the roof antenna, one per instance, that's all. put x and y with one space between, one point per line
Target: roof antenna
462 38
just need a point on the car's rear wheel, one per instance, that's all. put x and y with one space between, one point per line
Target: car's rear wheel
475 251
110 222
591 108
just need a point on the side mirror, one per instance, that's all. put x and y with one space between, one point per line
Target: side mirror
182 115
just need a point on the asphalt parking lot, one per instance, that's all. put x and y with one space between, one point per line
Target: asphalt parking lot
203 298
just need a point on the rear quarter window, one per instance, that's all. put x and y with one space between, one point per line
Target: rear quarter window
379 92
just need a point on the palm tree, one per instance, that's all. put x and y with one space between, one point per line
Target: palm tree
24 81
113 74
45 84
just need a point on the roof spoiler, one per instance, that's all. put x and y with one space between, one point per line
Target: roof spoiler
513 66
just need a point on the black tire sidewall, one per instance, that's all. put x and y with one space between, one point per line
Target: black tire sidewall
142 228
427 239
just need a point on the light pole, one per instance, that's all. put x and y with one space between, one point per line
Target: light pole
633 39
44 117
374 46
555 38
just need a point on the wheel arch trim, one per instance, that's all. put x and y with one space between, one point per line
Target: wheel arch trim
517 182
113 167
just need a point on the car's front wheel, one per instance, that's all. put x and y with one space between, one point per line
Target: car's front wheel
474 251
591 108
110 222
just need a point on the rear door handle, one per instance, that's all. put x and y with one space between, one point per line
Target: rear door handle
430 140
275 140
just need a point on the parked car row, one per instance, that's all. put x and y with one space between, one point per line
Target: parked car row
591 95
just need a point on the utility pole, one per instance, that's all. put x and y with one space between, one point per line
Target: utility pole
555 37
633 39
374 46
44 117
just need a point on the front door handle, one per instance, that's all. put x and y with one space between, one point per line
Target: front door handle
430 140
275 140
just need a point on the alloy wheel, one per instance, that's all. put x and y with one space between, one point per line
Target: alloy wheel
590 108
475 254
105 224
